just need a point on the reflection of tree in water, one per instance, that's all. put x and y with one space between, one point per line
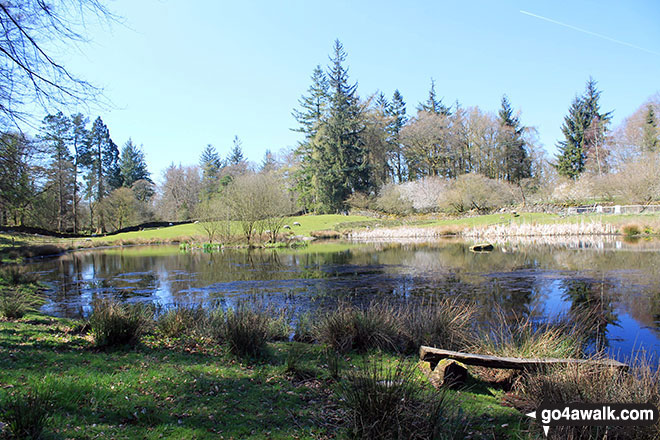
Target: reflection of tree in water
514 294
592 308
655 308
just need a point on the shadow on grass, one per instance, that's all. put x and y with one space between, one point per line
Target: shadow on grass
194 396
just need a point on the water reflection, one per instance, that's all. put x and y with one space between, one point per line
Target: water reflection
616 283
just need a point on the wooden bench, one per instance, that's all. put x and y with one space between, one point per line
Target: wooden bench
435 355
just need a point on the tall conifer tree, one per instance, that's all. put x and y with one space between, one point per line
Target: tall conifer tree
433 104
101 158
313 110
79 136
516 162
584 131
650 141
397 110
56 137
236 154
340 159
132 165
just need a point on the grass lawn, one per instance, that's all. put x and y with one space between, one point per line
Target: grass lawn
308 223
168 389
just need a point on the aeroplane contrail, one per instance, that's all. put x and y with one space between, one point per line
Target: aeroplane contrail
575 28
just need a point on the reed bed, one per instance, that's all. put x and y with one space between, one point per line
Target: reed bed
543 230
405 232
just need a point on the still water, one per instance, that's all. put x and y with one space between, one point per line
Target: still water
620 280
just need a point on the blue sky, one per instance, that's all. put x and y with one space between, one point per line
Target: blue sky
183 74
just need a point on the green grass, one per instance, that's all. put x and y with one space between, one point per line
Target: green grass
159 390
308 223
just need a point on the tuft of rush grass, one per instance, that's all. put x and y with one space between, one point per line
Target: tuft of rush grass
347 327
595 384
396 327
18 301
182 320
389 401
444 322
248 327
18 292
27 412
114 323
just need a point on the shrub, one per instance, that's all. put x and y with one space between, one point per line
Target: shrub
424 193
391 402
631 230
181 320
113 323
26 414
359 200
390 200
16 302
476 192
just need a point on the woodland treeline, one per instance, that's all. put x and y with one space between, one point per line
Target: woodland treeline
370 152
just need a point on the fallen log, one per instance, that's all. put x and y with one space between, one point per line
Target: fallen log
435 355
482 247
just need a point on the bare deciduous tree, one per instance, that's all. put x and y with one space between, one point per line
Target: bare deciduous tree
214 219
33 31
259 202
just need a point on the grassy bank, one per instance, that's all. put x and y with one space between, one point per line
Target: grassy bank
132 372
175 388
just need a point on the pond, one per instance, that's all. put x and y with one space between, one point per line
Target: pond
617 279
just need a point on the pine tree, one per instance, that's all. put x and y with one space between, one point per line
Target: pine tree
17 189
595 129
132 165
79 136
236 153
314 105
211 164
397 110
269 163
650 141
340 160
101 159
56 136
313 110
584 131
432 104
516 162
570 160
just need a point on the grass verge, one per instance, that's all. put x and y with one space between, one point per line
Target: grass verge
162 388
